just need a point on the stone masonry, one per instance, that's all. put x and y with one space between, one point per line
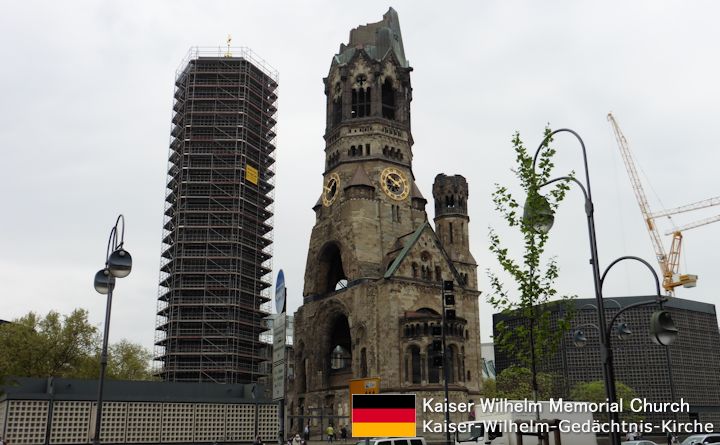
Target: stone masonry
375 265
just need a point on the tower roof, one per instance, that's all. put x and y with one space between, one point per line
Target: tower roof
360 178
376 39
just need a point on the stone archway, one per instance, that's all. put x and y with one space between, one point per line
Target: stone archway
330 269
337 350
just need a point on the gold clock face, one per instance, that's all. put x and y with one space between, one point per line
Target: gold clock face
330 189
394 183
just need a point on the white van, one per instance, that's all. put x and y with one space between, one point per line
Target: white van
394 441
492 427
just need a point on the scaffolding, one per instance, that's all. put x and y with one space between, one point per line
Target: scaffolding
217 233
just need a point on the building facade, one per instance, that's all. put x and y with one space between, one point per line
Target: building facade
62 411
640 363
375 265
217 237
487 350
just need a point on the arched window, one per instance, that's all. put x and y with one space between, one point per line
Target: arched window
337 104
363 363
340 355
433 371
388 100
305 377
415 372
337 111
360 98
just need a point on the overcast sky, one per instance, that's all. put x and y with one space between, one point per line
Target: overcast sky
86 107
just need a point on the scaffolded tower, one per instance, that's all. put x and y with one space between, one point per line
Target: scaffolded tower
217 237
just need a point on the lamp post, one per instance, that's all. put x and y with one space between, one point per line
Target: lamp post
539 212
662 335
448 301
118 264
539 215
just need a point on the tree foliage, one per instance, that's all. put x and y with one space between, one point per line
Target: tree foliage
515 383
595 392
128 361
533 281
65 346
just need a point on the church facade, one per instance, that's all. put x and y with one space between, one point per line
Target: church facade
375 264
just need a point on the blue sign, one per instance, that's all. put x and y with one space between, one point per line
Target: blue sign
280 293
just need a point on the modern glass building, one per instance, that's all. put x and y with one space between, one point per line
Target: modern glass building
639 363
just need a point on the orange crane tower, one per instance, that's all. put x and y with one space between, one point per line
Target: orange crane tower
669 263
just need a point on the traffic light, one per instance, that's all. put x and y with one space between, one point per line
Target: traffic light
448 286
450 314
436 330
662 329
449 300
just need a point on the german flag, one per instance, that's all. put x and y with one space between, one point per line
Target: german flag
383 415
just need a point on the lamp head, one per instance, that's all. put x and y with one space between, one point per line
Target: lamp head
662 328
120 263
579 338
537 213
623 331
104 281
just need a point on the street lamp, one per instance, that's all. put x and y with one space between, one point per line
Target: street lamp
118 264
622 329
539 215
662 329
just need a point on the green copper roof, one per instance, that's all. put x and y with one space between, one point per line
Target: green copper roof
413 239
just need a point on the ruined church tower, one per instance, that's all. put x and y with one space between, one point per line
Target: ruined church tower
375 265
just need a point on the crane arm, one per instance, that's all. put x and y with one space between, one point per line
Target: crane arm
686 208
692 225
641 198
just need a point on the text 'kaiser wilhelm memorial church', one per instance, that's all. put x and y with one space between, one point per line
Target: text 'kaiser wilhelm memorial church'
375 264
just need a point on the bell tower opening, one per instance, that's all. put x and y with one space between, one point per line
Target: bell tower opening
388 99
331 271
361 97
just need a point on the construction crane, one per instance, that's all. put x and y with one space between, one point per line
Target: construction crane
669 263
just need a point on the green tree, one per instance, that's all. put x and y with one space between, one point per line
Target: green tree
53 345
489 388
128 361
515 383
65 346
595 392
534 337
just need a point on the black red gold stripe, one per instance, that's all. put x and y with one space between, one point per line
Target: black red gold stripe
383 415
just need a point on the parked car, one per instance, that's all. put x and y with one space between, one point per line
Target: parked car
638 442
698 439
